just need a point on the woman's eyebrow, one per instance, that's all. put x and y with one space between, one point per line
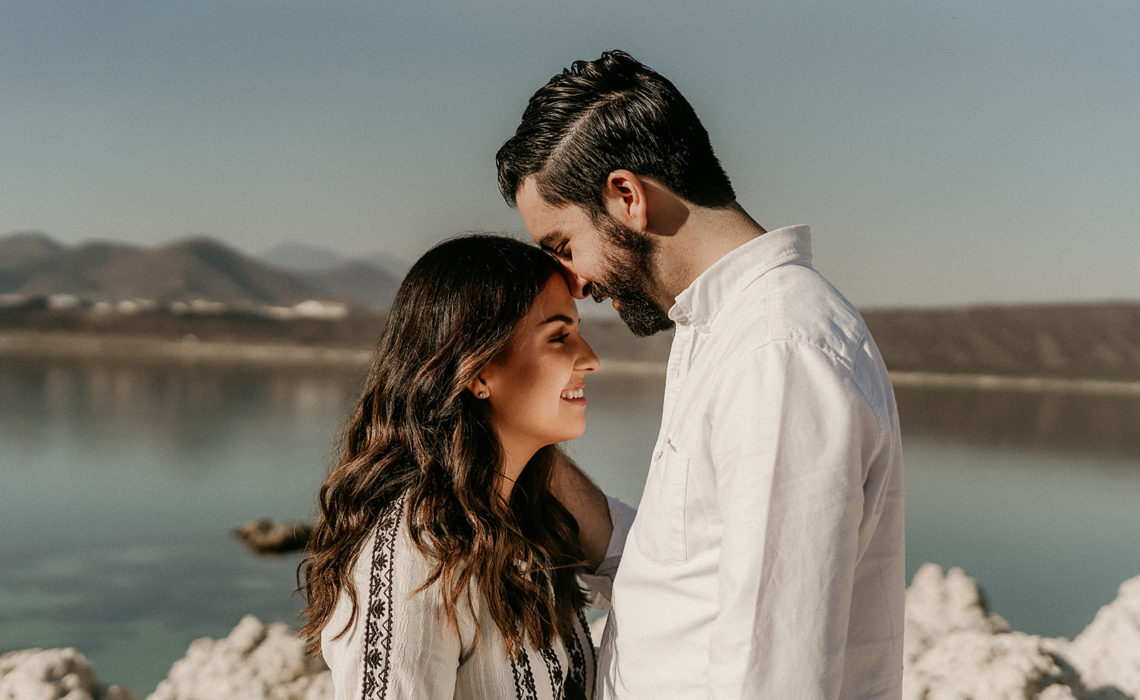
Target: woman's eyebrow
557 318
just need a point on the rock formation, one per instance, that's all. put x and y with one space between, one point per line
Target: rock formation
255 662
954 649
265 537
1107 652
51 674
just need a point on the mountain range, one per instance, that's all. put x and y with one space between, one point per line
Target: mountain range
199 268
1088 340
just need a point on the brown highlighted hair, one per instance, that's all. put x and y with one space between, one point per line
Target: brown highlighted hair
417 431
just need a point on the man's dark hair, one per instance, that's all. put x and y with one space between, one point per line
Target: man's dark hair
599 116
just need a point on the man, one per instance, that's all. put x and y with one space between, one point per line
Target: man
766 558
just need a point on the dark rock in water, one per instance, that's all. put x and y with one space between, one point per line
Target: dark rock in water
266 537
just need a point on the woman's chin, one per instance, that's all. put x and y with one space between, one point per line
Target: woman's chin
576 434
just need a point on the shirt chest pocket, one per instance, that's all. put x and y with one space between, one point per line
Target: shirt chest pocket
661 514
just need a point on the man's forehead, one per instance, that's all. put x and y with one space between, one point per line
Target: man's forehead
528 196
548 224
533 210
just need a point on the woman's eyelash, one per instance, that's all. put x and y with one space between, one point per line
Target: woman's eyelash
560 338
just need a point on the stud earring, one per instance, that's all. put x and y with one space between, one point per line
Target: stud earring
482 394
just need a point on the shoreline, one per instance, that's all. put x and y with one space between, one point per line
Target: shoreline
1028 384
190 349
953 646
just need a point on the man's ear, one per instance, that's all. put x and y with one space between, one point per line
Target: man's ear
624 197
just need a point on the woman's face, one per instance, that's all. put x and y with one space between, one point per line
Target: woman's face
536 386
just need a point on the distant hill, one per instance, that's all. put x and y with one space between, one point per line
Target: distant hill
301 257
22 251
32 264
1094 340
1087 341
372 280
358 280
1091 340
200 268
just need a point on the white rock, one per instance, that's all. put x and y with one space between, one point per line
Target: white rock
254 662
938 603
955 650
976 664
66 674
1107 652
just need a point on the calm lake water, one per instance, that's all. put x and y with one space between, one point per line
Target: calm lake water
121 485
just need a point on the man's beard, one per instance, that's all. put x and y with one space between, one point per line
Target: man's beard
627 280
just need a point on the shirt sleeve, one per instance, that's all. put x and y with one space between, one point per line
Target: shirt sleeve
788 429
601 581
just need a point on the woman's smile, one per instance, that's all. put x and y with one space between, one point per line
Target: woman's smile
575 396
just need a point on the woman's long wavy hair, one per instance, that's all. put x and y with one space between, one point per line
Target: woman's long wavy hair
417 431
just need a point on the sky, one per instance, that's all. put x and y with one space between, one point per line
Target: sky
946 153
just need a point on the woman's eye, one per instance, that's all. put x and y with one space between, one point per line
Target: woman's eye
560 338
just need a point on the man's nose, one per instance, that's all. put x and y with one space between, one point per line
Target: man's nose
579 286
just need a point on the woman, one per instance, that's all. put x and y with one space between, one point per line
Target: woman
441 565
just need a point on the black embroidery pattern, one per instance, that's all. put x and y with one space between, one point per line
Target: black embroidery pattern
554 670
378 631
585 630
576 682
524 678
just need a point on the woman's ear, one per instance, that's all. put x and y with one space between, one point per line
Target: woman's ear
478 388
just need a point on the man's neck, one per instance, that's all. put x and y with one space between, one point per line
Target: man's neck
706 236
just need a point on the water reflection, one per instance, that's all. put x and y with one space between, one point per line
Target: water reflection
1071 423
121 483
187 406
187 409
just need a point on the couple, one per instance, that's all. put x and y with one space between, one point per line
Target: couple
766 557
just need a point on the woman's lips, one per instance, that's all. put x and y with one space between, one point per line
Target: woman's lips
575 396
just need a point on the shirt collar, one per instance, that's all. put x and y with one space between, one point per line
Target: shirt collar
699 304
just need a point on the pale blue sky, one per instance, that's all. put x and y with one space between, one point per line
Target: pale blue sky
944 153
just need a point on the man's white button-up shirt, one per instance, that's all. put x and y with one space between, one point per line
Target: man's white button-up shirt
766 559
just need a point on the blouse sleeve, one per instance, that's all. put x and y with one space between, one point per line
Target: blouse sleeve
601 581
399 644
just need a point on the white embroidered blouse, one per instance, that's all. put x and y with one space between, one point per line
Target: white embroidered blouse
400 647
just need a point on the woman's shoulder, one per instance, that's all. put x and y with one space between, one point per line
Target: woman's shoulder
392 564
389 543
391 523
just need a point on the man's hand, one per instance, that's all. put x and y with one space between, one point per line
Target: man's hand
586 503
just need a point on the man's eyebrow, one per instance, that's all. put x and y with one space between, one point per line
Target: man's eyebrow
558 318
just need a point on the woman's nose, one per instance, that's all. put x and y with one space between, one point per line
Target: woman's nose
587 360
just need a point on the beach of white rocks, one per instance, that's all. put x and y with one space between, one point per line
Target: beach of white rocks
954 650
